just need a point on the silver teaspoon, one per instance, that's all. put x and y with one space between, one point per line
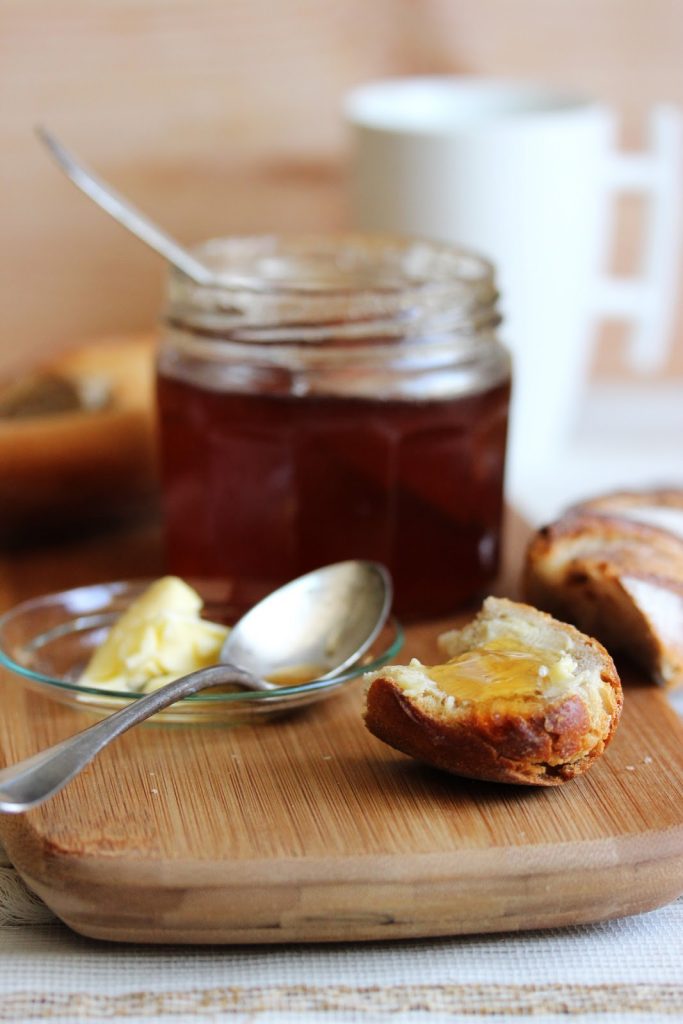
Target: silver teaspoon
125 213
317 625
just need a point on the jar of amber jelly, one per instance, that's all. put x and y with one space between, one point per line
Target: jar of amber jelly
332 398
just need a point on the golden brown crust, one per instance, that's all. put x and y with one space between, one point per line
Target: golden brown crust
660 497
536 742
616 577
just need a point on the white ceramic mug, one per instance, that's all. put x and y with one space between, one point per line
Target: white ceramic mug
525 175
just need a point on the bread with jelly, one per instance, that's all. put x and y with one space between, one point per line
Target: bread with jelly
520 698
614 567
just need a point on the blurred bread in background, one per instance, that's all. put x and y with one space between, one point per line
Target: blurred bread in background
77 441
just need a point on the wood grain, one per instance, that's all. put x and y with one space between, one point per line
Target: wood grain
225 118
310 829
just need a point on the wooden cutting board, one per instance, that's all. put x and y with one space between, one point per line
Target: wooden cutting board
310 829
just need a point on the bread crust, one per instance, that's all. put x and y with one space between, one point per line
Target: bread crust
616 501
616 577
546 744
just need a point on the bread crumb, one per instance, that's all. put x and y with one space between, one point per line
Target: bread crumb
630 767
647 759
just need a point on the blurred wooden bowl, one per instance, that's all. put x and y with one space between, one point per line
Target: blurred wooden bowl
63 472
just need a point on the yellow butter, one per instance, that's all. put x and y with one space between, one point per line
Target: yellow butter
160 637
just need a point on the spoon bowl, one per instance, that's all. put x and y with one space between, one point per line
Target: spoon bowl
312 628
346 587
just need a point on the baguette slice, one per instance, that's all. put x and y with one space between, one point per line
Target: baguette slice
523 699
614 567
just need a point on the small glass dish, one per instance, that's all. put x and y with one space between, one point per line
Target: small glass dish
48 640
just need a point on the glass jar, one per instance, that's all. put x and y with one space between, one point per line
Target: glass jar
332 398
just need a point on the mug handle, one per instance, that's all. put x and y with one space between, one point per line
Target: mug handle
649 300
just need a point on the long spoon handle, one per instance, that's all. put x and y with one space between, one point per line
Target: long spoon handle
32 781
124 212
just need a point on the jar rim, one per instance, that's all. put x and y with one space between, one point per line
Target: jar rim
276 287
374 305
361 262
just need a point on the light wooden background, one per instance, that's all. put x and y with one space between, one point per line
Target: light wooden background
222 116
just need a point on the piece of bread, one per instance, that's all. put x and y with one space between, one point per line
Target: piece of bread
77 441
529 700
614 567
661 508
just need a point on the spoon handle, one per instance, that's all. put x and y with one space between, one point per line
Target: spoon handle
124 212
32 781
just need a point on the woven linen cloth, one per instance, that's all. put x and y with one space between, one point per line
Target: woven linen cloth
627 970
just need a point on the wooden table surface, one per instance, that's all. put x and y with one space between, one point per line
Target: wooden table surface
308 828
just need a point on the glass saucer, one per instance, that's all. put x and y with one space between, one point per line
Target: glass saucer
48 640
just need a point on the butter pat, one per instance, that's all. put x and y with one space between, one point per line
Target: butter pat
159 638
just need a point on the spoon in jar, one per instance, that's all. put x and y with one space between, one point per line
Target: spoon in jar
125 213
315 627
